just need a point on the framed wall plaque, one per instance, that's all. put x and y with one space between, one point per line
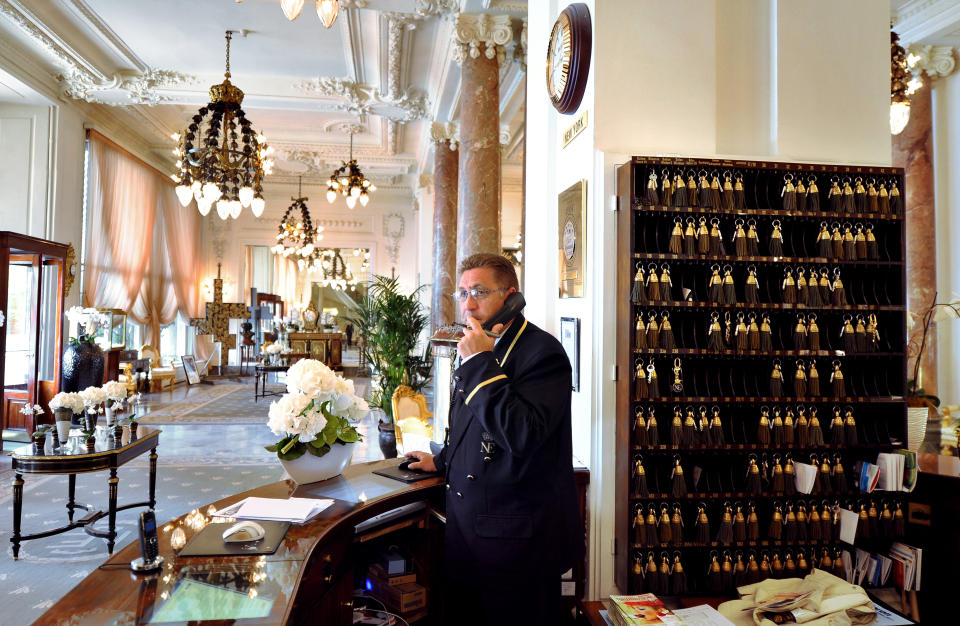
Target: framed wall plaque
570 340
572 209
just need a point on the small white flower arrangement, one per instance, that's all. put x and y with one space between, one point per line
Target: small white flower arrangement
36 409
273 348
66 400
93 397
89 320
316 412
115 391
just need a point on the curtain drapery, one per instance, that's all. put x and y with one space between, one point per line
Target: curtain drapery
142 246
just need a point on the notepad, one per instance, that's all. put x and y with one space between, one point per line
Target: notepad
297 510
805 476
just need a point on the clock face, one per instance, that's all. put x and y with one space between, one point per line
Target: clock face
568 57
310 316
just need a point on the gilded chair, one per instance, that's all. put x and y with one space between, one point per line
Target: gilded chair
411 420
159 373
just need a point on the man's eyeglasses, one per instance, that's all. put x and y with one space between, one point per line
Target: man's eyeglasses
461 295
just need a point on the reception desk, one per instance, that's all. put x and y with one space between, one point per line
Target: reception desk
311 575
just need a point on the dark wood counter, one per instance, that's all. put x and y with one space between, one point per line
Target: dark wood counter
310 574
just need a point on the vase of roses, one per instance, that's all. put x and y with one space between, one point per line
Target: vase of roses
116 394
315 421
64 406
93 399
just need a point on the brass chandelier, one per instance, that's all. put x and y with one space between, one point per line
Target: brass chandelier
349 182
327 10
220 158
334 272
297 237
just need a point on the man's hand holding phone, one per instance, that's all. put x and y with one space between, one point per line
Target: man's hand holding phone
424 461
475 340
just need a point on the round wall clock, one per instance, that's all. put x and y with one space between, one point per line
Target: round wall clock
568 57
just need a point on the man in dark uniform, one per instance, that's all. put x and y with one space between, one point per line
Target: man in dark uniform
513 525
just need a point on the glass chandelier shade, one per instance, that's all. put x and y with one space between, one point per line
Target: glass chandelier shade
902 85
327 10
334 272
348 181
297 236
220 158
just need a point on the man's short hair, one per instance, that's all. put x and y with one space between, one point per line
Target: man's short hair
502 268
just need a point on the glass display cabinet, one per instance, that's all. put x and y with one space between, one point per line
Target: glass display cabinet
33 285
113 334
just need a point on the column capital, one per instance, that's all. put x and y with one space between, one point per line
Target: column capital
934 61
446 131
476 33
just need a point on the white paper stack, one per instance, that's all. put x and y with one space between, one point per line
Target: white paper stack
296 510
805 475
891 471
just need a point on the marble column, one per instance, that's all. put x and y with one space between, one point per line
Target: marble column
445 171
480 41
913 151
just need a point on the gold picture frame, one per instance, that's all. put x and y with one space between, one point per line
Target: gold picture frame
572 224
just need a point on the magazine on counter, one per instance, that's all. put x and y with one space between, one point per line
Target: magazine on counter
642 609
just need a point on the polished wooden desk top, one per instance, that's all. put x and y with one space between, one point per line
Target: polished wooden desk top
113 594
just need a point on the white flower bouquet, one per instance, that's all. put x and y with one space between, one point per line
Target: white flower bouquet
273 348
315 413
115 390
93 397
66 400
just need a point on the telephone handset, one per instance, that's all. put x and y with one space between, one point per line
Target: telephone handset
511 306
150 559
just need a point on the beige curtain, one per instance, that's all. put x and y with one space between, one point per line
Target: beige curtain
143 247
285 280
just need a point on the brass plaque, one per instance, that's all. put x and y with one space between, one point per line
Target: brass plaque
572 213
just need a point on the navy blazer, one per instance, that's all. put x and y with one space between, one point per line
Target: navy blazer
511 498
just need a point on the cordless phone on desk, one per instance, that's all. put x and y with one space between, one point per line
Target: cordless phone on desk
150 559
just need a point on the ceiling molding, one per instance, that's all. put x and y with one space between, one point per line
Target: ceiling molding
444 9
126 87
106 34
473 31
935 61
927 21
353 44
506 6
361 99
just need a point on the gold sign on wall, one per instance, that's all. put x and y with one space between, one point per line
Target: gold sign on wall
572 213
578 126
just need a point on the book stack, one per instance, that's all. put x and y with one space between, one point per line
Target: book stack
400 593
640 609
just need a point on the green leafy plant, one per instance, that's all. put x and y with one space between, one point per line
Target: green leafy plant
391 322
337 430
82 338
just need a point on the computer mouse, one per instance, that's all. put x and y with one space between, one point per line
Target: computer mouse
405 466
243 531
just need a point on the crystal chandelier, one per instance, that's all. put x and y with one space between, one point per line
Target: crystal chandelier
350 182
220 158
334 272
327 10
902 84
297 237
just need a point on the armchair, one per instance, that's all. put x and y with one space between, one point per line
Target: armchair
159 373
411 420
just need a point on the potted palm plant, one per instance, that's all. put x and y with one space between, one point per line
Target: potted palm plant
391 323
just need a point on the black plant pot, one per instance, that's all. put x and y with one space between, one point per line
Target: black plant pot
388 440
83 364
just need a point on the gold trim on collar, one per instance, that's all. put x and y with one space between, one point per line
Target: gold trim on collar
513 343
483 384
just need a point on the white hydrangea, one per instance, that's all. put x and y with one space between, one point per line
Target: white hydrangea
313 378
293 414
273 348
115 390
93 396
65 400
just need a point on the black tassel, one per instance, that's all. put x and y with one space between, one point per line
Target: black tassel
690 239
839 294
814 526
715 334
801 196
653 539
872 205
836 242
692 196
776 432
803 566
650 196
739 571
899 527
826 289
753 477
826 524
667 342
665 284
653 285
838 478
873 251
813 381
861 243
638 582
763 428
816 434
715 286
800 382
801 287
726 574
850 430
776 381
846 200
883 200
676 237
703 237
716 429
726 197
789 566
802 430
653 385
752 287
638 294
653 430
676 526
689 435
896 204
703 525
704 197
813 195
834 195
739 526
873 334
663 575
765 566
715 199
742 340
860 334
753 524
653 331
788 194
824 243
753 241
775 530
666 189
639 529
679 191
766 335
802 522
739 239
776 567
823 476
640 478
836 381
640 334
679 488
678 577
788 428
800 334
725 533
789 478
813 293
676 429
716 238
651 578
753 333
789 288
813 331
666 531
886 521
777 478
714 579
859 196
863 523
640 429
729 289
790 525
776 240
753 570
849 244
838 569
848 334
704 436
640 386
739 195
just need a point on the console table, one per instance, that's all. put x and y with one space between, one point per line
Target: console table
260 374
72 459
